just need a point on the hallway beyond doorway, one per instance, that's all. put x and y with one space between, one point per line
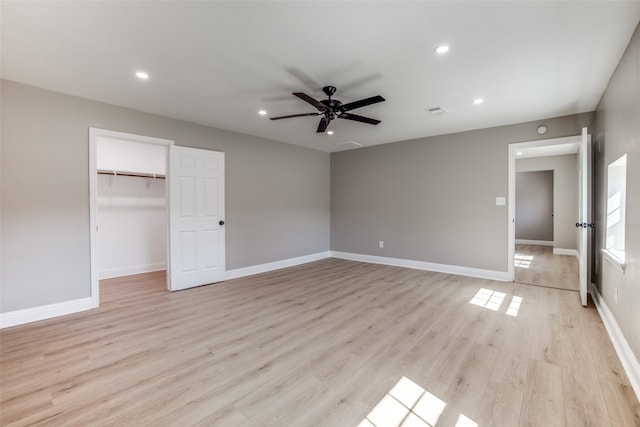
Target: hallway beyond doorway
537 265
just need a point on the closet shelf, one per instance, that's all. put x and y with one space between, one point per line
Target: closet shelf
124 173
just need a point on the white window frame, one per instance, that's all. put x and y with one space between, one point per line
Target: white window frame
614 245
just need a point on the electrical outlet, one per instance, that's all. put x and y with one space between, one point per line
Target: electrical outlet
381 244
615 294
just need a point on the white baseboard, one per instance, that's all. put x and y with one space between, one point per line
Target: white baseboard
110 273
263 268
28 315
534 242
560 251
627 358
34 314
422 265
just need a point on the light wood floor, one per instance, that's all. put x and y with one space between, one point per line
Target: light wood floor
537 265
331 343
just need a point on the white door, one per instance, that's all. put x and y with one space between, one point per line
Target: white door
196 217
584 211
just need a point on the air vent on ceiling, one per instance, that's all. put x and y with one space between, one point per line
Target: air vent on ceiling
437 111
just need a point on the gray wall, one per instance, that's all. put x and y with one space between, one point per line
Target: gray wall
565 194
432 199
277 195
617 133
534 205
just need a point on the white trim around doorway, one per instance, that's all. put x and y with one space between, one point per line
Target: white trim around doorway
511 209
94 134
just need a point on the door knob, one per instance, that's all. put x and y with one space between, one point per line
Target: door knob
221 222
585 225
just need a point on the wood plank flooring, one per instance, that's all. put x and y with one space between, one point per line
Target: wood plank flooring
330 343
538 265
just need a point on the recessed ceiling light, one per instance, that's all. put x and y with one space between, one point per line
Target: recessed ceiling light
478 101
142 75
443 48
262 112
329 132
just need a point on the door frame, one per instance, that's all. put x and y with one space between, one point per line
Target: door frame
585 209
511 197
94 134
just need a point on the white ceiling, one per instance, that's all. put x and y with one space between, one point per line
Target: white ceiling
218 63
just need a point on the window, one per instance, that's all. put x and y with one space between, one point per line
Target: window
616 200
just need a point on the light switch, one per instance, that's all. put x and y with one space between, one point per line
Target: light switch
501 201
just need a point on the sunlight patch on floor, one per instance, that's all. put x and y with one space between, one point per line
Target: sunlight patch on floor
488 299
492 300
464 421
514 306
409 405
523 261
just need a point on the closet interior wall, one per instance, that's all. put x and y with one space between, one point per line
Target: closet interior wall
131 208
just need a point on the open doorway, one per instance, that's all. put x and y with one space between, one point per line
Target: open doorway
544 193
129 209
546 189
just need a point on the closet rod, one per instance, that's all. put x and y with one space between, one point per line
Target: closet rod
123 173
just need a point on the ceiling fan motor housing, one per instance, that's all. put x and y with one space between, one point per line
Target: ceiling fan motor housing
334 107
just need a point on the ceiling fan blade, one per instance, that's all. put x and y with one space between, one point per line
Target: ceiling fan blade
322 126
295 115
358 118
362 103
310 100
304 78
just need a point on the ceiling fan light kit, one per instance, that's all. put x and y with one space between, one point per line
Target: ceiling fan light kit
332 109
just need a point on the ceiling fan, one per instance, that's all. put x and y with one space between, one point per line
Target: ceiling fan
332 108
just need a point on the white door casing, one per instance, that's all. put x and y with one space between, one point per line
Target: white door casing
94 135
196 218
584 211
567 145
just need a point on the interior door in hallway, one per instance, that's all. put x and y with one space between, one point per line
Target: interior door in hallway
534 207
196 218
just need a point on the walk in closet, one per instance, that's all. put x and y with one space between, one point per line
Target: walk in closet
131 207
